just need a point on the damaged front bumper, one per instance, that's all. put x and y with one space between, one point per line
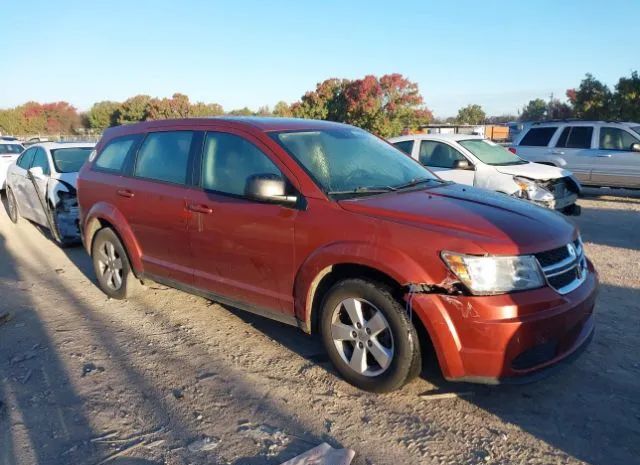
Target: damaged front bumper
508 337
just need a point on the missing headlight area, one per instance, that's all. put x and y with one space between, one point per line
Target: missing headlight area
65 216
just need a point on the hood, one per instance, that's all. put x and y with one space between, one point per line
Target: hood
495 222
534 171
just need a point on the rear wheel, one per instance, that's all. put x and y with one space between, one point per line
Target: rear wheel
112 267
368 336
12 206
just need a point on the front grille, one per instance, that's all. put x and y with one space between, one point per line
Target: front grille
565 268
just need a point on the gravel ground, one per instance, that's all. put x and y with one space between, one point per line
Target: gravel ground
175 379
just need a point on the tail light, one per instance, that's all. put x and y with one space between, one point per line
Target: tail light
513 150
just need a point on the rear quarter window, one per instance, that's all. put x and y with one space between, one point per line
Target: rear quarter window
113 155
538 137
405 146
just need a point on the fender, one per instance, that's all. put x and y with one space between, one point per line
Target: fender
107 212
395 264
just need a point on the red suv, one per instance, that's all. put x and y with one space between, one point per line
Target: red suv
326 227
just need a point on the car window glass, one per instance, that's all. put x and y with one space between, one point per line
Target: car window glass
616 139
579 137
12 149
538 137
562 140
40 160
113 155
405 146
229 161
164 156
26 158
438 154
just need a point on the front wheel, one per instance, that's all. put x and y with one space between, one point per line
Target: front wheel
368 336
112 267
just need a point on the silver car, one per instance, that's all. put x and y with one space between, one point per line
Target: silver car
599 153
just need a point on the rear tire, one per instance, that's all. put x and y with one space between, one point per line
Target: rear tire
379 351
12 207
112 267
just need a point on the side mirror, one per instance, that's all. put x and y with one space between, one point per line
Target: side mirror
269 188
36 172
462 165
635 147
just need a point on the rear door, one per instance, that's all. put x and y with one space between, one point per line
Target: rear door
18 176
242 248
574 146
614 163
441 158
534 145
155 194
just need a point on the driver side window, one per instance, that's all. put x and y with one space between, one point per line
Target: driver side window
438 154
229 161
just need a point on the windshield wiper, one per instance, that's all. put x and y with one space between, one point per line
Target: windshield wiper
418 181
364 190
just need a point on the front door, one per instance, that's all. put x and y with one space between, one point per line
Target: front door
242 249
441 158
614 163
36 188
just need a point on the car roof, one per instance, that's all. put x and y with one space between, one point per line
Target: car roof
63 145
582 123
443 137
264 124
10 141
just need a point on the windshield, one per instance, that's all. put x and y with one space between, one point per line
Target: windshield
70 160
491 153
12 149
350 159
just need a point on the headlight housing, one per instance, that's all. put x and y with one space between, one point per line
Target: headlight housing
531 191
487 275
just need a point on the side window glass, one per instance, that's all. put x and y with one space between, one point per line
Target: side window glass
40 160
616 139
229 161
579 137
164 156
26 158
438 155
114 154
538 137
405 146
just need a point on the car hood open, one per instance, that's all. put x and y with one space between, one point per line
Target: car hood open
497 223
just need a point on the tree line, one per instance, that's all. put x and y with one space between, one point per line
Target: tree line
385 105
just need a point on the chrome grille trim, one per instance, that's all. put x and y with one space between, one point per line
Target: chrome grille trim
574 264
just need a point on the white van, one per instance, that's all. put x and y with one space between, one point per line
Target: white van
478 162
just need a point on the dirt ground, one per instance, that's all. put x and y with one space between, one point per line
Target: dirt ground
169 378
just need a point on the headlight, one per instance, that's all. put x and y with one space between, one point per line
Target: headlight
485 275
531 191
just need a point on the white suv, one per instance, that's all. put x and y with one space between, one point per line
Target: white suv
599 153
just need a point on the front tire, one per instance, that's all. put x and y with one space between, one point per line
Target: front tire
12 206
112 267
368 336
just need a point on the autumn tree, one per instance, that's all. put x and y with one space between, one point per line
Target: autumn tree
592 100
200 109
134 109
282 109
325 102
471 114
177 106
241 112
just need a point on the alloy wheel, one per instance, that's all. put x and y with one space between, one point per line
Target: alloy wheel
362 336
110 265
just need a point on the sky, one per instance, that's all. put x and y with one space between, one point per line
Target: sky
499 54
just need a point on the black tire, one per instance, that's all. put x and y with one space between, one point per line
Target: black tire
406 359
12 207
103 262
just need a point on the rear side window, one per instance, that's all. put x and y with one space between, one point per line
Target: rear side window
24 161
616 139
164 156
229 161
538 137
405 146
114 154
576 137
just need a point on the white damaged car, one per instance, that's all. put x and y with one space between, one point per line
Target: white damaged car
41 187
475 161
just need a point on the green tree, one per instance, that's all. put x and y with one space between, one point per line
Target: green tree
282 109
558 110
134 109
103 115
627 98
592 100
241 112
200 109
535 110
471 114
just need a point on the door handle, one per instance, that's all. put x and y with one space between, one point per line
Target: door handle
608 155
125 193
200 209
557 152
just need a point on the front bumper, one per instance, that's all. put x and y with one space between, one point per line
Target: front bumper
493 339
